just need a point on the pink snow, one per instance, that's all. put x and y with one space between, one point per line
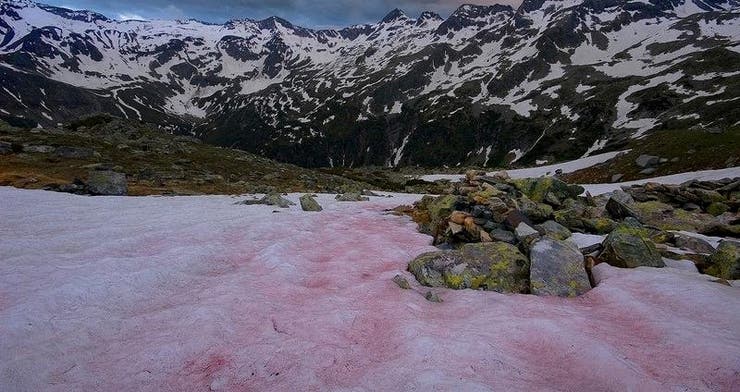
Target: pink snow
195 293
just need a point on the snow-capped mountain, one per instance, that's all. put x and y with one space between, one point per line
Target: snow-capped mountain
488 85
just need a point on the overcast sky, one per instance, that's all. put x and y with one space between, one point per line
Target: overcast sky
308 13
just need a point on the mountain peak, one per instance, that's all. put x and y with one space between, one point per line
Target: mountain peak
396 14
477 11
429 15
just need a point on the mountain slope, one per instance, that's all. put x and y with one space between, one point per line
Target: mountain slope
486 86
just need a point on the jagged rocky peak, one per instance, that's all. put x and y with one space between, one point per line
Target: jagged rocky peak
429 15
472 11
395 15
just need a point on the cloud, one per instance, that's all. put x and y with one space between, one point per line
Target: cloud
310 13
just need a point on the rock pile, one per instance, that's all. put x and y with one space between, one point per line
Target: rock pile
515 235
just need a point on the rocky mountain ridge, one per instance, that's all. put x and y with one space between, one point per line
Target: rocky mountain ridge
487 86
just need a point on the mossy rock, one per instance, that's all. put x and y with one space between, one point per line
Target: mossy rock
717 208
725 261
628 247
547 189
496 266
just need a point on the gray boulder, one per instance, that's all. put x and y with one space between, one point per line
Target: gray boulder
106 183
692 243
647 160
352 196
271 199
557 268
308 203
629 248
554 230
619 208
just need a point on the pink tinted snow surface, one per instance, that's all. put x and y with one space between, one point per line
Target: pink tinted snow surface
195 293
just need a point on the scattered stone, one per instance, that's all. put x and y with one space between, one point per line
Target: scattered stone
628 248
458 217
649 170
554 230
537 212
503 236
557 268
514 218
39 149
401 282
725 261
271 199
432 297
308 203
692 243
107 183
352 196
617 177
619 209
647 160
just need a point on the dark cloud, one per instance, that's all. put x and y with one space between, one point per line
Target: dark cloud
310 13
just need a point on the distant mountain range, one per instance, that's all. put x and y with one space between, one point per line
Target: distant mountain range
487 86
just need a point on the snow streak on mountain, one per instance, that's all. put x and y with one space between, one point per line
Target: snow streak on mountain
488 85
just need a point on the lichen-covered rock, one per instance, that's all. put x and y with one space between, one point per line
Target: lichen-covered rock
546 189
557 268
308 203
536 212
629 248
401 282
717 208
106 183
496 266
554 230
725 261
352 196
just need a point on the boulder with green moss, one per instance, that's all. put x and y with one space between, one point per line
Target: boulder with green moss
628 247
557 268
547 189
725 261
496 266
